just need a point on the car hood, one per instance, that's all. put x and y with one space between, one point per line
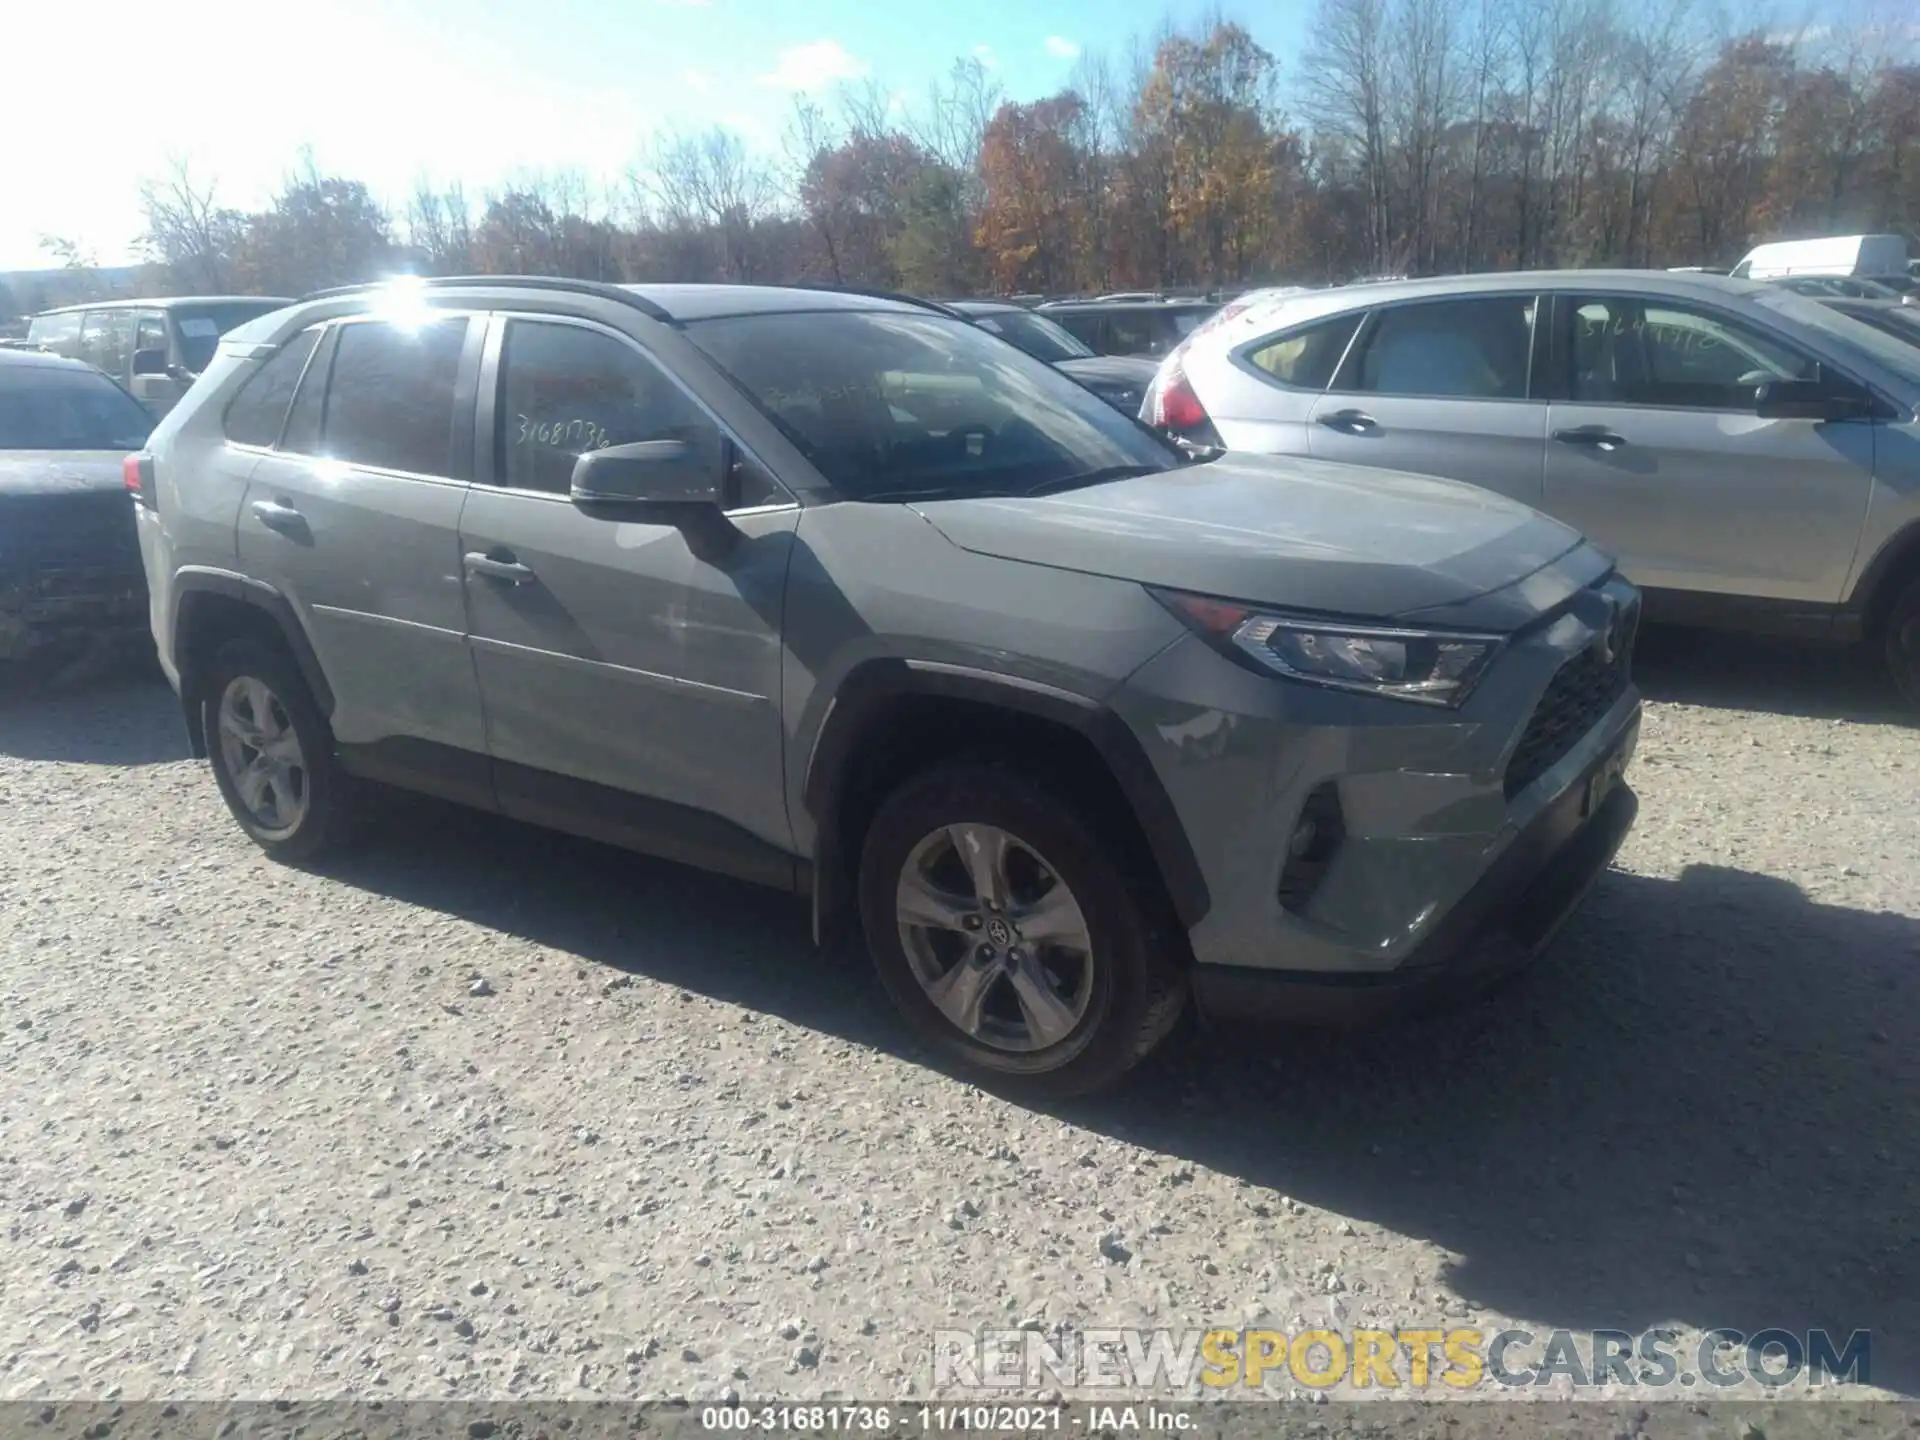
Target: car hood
1129 370
60 472
1301 534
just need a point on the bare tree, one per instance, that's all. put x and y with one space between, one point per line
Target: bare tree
1346 97
712 179
188 230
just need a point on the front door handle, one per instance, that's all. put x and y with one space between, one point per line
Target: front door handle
498 566
1599 437
1353 422
282 518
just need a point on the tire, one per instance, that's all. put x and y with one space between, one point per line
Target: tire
298 808
1112 986
1903 642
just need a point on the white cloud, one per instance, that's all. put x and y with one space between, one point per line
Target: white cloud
697 81
984 54
814 66
1061 46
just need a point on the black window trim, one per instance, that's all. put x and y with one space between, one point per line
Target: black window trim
486 411
1242 359
460 455
1559 369
1345 375
306 368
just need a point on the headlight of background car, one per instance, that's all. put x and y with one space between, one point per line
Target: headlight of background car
1432 667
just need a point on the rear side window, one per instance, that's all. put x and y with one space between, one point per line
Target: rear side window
58 333
257 412
1305 359
565 390
390 402
1459 349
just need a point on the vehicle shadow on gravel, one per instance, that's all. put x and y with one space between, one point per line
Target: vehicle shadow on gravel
1699 1108
1778 677
720 937
122 716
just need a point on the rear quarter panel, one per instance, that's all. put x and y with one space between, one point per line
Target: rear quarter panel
199 481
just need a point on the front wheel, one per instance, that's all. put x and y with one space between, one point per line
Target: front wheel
1903 642
1012 938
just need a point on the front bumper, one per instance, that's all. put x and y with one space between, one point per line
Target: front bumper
1501 924
1433 813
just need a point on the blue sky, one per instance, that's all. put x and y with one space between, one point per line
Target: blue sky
477 90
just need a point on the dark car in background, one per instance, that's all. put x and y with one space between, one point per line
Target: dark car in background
1890 317
1120 380
70 574
1130 324
156 347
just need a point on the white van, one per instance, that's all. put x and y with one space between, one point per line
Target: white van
1871 256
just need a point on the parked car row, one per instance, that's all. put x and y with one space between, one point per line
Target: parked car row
1306 698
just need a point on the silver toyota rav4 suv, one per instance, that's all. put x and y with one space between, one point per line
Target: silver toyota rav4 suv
849 597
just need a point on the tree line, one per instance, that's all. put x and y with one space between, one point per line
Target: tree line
1408 136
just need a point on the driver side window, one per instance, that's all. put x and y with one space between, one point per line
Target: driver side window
1633 352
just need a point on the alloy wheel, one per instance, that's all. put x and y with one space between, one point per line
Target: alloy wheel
261 753
995 938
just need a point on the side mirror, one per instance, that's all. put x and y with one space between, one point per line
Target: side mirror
1804 400
680 483
664 473
150 362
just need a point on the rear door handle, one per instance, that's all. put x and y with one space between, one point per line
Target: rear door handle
275 516
1597 436
498 566
1353 422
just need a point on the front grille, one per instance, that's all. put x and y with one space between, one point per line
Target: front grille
1581 691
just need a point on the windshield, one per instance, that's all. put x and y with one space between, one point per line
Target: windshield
201 327
49 407
1035 334
1864 340
898 406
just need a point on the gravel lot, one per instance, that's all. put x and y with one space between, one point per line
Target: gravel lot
483 1112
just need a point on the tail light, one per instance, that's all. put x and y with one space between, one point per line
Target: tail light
137 473
1173 405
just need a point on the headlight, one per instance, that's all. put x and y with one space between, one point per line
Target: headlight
1432 667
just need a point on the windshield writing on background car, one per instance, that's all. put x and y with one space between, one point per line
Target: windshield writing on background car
52 408
888 404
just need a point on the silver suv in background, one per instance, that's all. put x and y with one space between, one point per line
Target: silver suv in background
1751 456
154 348
844 595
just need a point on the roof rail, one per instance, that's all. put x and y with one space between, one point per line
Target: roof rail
919 301
602 288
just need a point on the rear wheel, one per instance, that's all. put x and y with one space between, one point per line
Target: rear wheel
1011 936
272 752
1903 642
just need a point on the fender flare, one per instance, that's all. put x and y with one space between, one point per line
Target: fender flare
191 585
1879 582
874 683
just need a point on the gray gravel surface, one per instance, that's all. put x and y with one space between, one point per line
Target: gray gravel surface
484 1112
